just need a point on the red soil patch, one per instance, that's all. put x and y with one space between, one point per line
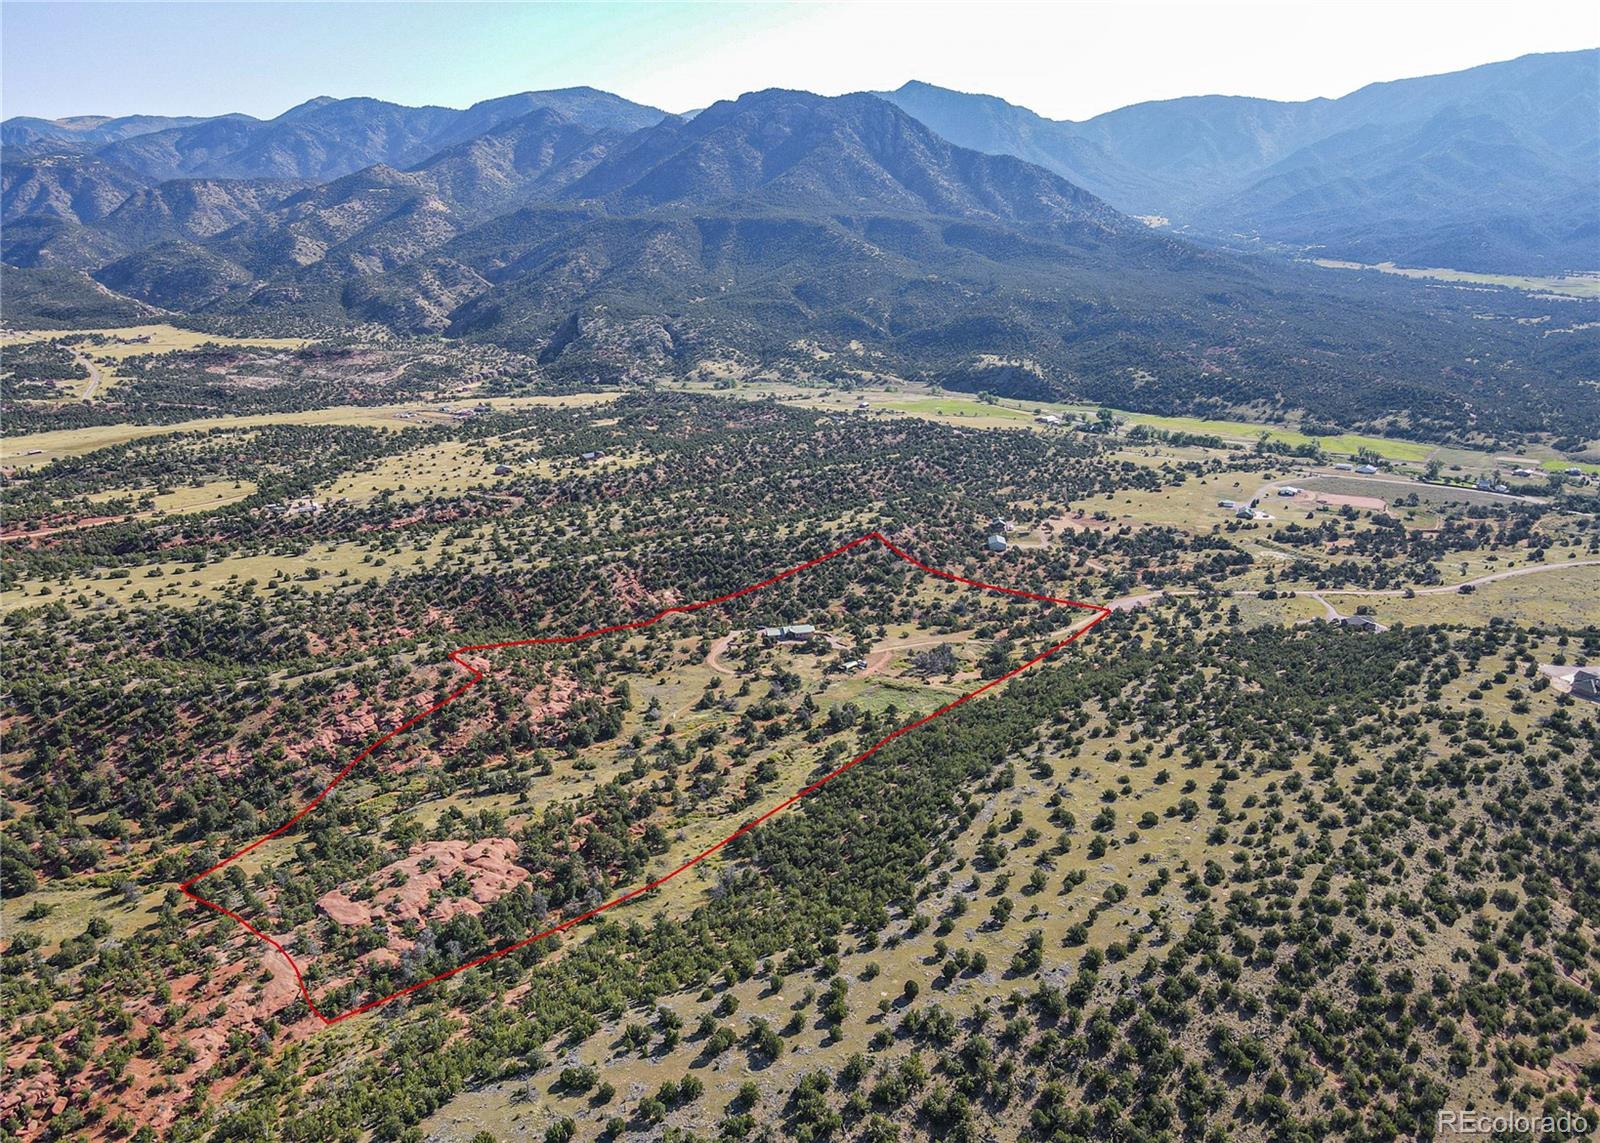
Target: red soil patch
627 587
239 987
490 868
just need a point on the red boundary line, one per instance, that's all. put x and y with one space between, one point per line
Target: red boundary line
478 673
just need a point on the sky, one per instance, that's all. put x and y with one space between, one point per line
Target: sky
1067 60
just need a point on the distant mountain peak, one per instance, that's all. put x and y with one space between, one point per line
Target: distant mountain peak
316 103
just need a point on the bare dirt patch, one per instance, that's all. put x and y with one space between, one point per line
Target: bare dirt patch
414 888
1340 500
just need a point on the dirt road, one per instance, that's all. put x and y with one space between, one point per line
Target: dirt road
1131 602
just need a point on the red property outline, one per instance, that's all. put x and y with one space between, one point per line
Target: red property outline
478 676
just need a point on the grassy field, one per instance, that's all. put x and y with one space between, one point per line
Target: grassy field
1563 465
953 408
40 448
320 568
136 341
1568 285
184 499
1550 597
443 469
1344 444
141 340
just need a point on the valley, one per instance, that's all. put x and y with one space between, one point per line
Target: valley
1094 845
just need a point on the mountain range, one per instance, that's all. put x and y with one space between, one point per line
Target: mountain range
1491 169
616 241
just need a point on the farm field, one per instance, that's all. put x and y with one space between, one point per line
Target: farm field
1570 285
956 408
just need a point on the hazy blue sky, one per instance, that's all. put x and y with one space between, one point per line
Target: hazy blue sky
1065 60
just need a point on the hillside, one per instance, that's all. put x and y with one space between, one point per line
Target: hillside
1492 168
325 138
787 229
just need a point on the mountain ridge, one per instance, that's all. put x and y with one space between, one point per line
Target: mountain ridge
1206 162
807 232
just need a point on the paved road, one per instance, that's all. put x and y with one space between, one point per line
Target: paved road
95 377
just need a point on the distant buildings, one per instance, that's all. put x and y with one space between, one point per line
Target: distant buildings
1586 683
793 633
997 543
1367 469
502 470
1001 526
589 456
1288 490
1245 512
1227 504
1362 623
1344 466
303 507
1048 419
